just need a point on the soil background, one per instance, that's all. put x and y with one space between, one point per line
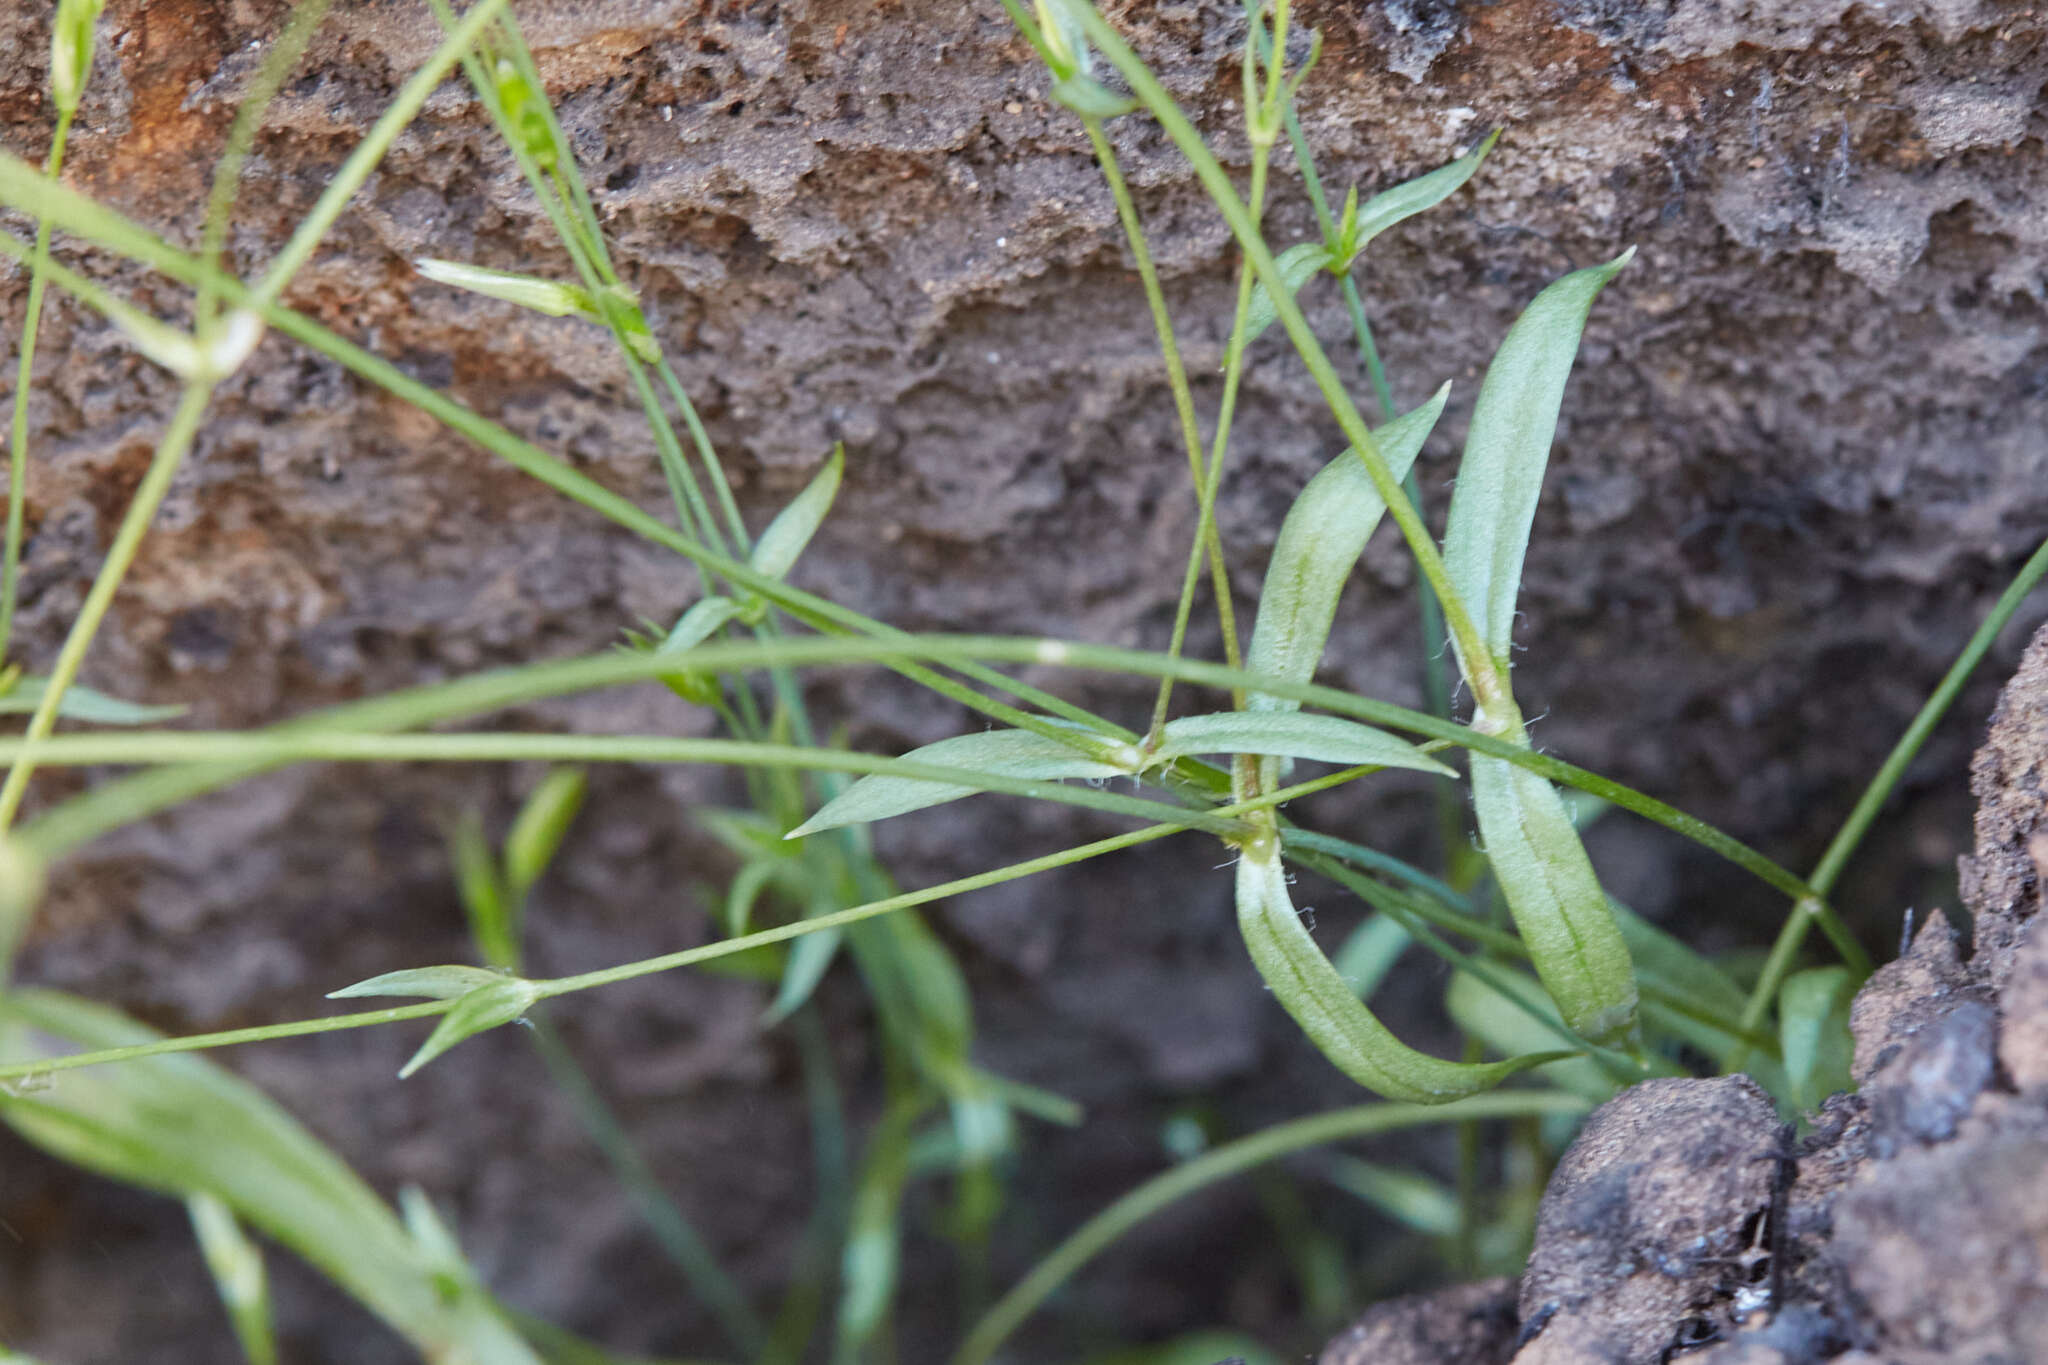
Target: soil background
1802 452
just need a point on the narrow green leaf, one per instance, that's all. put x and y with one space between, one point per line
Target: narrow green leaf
873 1252
550 297
1501 476
493 912
1370 953
1320 542
775 553
540 827
1321 1001
1298 265
1555 899
1001 753
810 957
183 1125
83 703
431 983
1292 734
1813 1027
237 1269
479 1010
1676 967
1408 1197
1406 200
1090 98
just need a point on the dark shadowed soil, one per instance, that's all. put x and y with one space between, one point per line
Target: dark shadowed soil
1802 453
1908 1227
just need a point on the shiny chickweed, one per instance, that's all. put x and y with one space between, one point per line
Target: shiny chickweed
1561 1000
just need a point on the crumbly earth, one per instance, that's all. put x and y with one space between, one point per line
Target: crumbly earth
1800 455
1908 1228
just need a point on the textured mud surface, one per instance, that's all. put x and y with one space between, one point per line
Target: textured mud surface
1907 1228
1802 453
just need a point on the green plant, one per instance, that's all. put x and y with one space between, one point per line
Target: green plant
1571 987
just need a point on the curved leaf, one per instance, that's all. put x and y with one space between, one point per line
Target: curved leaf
83 703
1501 475
1298 264
1321 1001
482 1009
1556 899
430 983
1813 1027
1319 543
183 1125
775 553
1291 734
1002 753
1406 200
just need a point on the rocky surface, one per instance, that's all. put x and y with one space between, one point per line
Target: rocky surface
1907 1228
1801 455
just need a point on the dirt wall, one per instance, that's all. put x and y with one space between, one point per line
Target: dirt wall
1802 452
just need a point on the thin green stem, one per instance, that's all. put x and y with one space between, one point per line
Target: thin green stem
1162 1191
1785 951
1210 480
1207 541
201 1042
17 450
149 494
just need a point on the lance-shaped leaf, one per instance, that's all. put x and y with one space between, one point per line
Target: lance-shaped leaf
1555 899
237 1268
1299 264
427 983
1000 753
1537 858
1322 1002
1813 1028
183 1125
540 827
1407 199
1500 477
551 297
1319 543
1292 734
83 703
1090 98
476 1011
777 549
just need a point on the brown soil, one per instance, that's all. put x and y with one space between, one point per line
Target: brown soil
1910 1227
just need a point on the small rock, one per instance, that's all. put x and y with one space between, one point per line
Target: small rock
1472 1324
1644 1218
1922 1093
1904 996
